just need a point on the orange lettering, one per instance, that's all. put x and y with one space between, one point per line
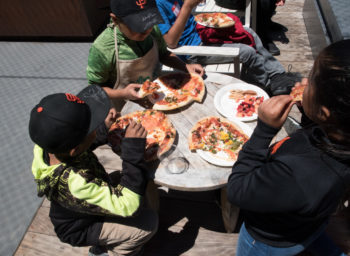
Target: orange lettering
71 97
141 3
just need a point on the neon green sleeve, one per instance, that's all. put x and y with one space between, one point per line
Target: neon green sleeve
100 194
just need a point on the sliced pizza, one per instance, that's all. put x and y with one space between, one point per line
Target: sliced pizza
297 92
147 88
178 90
238 95
160 132
214 20
218 136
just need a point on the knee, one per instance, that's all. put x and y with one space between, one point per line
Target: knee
246 54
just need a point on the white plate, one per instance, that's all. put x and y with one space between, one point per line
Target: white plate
211 26
228 107
221 158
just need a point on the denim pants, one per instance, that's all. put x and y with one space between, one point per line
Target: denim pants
318 244
258 63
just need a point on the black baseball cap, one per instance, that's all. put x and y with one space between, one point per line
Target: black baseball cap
61 121
138 15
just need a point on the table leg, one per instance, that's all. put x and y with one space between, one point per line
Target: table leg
152 196
229 212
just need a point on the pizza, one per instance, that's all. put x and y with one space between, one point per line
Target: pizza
237 94
148 88
249 105
160 132
217 135
178 90
297 92
214 20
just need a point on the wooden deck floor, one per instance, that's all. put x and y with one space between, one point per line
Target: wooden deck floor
191 223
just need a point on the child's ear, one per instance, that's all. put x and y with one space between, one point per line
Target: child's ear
114 18
324 114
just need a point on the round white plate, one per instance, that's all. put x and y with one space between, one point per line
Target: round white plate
210 26
220 158
228 107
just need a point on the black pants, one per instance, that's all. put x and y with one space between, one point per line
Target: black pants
265 11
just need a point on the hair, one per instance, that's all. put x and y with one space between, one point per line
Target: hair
330 77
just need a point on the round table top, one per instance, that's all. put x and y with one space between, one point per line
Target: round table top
201 175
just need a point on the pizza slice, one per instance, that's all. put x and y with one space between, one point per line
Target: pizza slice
297 92
148 88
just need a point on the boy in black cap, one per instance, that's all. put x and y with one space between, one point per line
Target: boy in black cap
140 47
88 206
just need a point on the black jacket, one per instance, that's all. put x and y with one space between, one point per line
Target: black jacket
288 190
82 193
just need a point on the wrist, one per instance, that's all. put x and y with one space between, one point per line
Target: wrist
187 7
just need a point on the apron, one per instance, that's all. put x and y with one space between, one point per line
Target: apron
134 71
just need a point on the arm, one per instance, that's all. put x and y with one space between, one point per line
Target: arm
171 60
100 196
173 35
102 130
257 184
99 70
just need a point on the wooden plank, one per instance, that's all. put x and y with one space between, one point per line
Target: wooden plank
46 203
35 244
41 224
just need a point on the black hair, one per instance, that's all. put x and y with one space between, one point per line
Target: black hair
331 78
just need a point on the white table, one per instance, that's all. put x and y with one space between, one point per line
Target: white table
201 175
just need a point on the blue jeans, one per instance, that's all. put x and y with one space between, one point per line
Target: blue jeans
318 244
260 65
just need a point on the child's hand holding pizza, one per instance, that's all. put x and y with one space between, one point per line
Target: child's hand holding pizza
130 92
111 117
275 110
135 130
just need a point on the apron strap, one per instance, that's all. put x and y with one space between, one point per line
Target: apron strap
116 54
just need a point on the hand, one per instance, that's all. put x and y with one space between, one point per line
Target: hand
280 2
192 3
195 68
135 130
111 117
130 93
275 110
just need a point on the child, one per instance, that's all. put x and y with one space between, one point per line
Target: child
88 206
128 53
260 67
287 192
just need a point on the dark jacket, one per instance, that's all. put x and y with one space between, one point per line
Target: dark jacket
81 192
288 190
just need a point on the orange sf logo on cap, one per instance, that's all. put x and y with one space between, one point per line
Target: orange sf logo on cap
141 3
71 97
